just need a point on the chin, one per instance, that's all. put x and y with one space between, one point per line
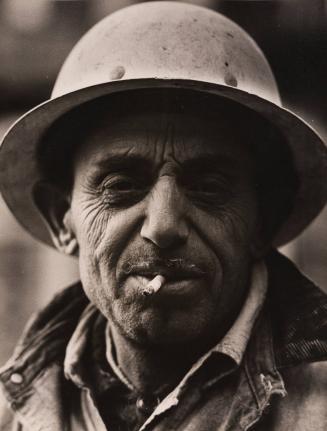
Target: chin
165 327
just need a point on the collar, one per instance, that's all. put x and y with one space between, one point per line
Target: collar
74 366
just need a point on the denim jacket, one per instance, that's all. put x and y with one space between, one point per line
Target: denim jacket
281 383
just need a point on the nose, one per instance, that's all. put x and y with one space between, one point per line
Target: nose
165 224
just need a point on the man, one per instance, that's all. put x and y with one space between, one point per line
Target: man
165 164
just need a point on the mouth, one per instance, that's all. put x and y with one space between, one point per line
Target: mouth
172 281
173 271
169 275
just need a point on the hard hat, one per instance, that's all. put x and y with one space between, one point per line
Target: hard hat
163 45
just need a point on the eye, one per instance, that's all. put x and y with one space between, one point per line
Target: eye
206 185
122 185
123 190
210 184
210 190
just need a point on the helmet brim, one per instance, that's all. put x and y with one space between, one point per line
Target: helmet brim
19 170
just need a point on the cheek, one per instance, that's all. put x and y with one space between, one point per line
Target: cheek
102 236
234 226
229 234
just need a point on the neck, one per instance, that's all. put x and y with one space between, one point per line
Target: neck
156 369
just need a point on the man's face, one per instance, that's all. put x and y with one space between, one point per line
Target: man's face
167 194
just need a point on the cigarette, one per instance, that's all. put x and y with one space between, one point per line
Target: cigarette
154 285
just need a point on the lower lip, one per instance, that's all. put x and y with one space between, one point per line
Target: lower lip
181 287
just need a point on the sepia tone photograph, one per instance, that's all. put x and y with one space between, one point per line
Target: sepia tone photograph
163 220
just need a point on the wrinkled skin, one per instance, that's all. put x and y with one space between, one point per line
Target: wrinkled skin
153 186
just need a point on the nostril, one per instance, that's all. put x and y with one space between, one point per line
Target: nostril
165 224
165 233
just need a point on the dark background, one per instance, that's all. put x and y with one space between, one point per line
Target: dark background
36 36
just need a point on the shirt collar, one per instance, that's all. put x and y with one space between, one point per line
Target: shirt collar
77 346
234 343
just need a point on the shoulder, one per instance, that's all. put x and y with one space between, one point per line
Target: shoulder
57 319
298 314
304 406
42 343
8 420
307 380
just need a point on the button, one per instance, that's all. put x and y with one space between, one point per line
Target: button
266 382
140 404
146 405
16 378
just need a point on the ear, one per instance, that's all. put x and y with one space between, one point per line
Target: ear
55 207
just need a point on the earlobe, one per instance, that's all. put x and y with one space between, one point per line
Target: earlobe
54 206
67 243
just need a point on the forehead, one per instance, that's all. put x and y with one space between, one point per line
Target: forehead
162 135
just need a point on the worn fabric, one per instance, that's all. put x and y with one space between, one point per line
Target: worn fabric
280 383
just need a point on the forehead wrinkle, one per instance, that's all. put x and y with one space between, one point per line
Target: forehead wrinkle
171 140
170 135
167 138
160 143
115 147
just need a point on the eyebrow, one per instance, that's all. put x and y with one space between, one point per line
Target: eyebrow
124 162
211 162
142 164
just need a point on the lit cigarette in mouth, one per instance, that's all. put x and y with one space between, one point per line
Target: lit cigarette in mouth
154 285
